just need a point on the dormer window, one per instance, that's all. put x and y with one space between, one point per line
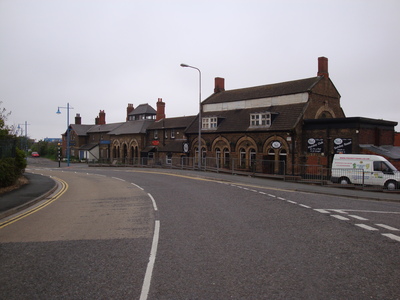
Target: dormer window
209 123
260 119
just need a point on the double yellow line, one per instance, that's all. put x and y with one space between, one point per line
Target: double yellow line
64 188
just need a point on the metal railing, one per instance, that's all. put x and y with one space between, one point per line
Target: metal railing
314 174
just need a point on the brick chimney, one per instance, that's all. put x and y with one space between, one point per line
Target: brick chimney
160 110
323 67
219 84
102 117
129 109
78 120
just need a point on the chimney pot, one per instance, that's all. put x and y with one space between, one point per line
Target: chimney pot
129 109
323 67
160 110
78 119
219 84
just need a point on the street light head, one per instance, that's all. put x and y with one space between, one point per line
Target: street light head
184 65
58 111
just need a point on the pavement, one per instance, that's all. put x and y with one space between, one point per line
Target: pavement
40 187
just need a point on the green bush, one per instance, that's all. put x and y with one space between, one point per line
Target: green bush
12 168
8 175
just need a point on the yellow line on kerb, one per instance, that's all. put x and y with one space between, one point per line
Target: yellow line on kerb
217 180
64 188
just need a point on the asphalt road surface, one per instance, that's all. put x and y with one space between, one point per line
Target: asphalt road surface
126 233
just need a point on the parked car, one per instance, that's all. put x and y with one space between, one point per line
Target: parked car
35 154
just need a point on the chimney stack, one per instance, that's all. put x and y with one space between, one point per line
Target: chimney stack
323 67
219 84
129 109
160 110
102 118
78 120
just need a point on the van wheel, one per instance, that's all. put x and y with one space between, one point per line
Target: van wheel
391 185
344 180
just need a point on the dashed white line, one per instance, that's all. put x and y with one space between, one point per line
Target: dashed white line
153 201
150 266
270 195
280 198
322 211
392 236
118 178
358 218
290 201
387 227
305 206
139 187
366 227
340 217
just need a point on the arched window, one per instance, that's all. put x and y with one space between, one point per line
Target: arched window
242 158
226 158
218 157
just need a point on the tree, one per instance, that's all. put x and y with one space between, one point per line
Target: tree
12 160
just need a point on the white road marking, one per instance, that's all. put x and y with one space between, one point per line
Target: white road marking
280 198
137 186
387 227
392 236
358 218
340 217
305 206
150 266
153 201
366 227
339 211
118 178
273 196
262 193
290 201
322 211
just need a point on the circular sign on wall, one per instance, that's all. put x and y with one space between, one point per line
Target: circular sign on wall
276 145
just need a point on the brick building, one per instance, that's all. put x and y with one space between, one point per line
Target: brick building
270 128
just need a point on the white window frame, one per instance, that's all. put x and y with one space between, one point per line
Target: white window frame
260 119
209 123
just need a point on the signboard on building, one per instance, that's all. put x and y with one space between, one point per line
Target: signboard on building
315 145
342 146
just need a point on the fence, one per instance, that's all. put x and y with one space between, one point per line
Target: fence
315 174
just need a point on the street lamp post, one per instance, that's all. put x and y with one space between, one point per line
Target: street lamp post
68 137
200 156
26 134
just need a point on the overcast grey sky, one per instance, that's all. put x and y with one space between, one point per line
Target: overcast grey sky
102 55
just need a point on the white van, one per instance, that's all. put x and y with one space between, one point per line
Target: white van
364 169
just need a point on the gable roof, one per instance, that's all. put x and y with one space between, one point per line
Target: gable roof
104 127
132 127
178 122
80 129
264 91
284 117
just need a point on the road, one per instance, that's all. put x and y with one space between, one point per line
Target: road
220 237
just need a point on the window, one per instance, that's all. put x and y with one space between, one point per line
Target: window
260 120
156 134
172 133
166 133
209 123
